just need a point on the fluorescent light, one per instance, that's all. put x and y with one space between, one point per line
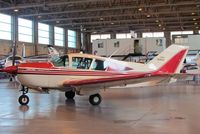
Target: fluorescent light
139 9
148 15
16 10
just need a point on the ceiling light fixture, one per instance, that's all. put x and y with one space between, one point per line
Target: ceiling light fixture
157 21
195 23
139 9
179 36
193 13
16 10
194 19
148 15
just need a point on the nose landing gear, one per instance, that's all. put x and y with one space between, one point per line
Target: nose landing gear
23 99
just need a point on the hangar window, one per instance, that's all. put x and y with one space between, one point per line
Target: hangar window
153 34
25 30
105 36
59 36
5 27
43 33
99 36
95 37
180 33
123 36
71 39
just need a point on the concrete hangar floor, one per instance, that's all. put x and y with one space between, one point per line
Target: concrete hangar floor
154 110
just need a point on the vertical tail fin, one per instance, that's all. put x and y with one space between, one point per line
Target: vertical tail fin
52 51
54 54
170 60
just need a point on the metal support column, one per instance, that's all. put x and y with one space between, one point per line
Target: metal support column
15 36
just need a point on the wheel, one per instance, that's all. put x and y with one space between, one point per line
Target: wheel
23 99
95 99
70 94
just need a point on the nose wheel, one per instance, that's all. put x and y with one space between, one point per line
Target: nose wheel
95 99
23 99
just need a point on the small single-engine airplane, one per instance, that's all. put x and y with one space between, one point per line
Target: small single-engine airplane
8 61
83 74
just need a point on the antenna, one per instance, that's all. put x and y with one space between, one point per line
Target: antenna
113 53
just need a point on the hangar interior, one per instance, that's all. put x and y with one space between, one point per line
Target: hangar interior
93 26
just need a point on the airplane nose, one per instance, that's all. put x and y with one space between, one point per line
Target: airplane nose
10 69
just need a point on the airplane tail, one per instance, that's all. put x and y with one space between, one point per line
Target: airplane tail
54 54
170 60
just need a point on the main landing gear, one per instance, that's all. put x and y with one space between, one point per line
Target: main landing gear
24 99
95 99
70 94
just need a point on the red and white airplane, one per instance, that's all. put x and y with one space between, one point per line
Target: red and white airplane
83 74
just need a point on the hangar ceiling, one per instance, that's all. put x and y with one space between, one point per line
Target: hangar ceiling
105 16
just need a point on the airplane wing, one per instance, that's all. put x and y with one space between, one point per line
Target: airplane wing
136 80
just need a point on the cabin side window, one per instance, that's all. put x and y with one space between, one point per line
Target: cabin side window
81 62
98 65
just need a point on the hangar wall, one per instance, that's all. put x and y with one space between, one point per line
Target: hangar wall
6 47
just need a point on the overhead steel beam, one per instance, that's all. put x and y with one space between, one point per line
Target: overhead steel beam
4 2
106 22
138 24
109 8
32 5
124 15
143 28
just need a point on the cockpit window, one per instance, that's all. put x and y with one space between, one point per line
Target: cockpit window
62 61
81 62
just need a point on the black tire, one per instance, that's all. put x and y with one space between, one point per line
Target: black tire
70 94
23 100
95 99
